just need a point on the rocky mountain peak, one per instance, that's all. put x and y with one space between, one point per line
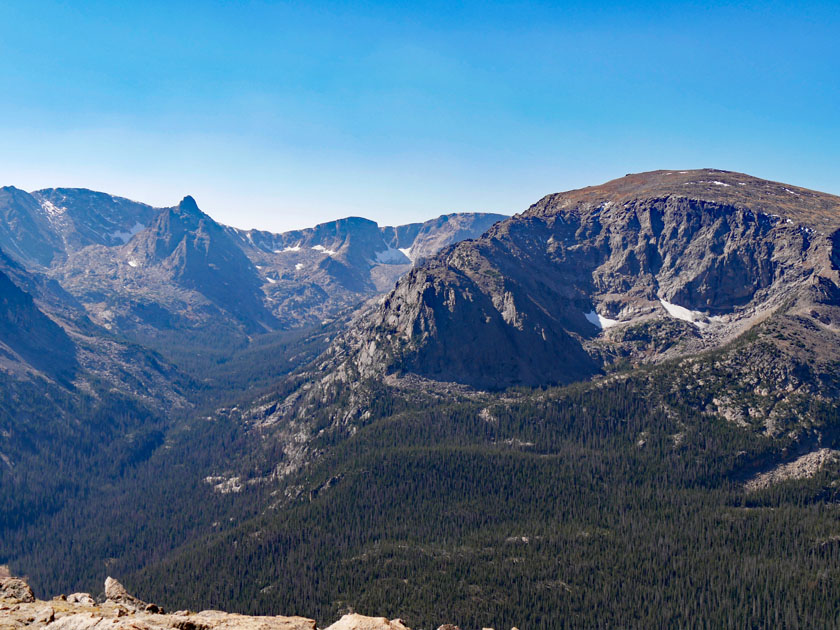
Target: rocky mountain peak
198 254
172 226
188 204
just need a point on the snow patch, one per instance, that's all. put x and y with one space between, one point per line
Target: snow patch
680 312
133 263
272 280
126 236
321 248
792 193
392 256
53 211
709 181
295 248
406 252
600 321
299 266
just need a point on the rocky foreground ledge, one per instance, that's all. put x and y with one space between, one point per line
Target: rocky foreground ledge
121 611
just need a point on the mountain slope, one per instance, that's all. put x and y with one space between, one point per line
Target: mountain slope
194 252
77 405
388 475
589 504
84 217
25 231
570 291
30 339
44 227
642 268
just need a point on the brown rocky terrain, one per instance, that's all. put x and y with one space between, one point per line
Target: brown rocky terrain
118 610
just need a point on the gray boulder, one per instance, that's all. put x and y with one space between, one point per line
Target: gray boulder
116 593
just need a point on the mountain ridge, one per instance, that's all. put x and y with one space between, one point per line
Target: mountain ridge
552 280
141 270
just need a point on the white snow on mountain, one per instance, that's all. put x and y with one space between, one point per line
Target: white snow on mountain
680 312
392 256
52 211
126 236
600 321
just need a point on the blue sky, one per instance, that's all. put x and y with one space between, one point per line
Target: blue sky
282 115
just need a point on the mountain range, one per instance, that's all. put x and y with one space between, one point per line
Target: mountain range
146 273
491 419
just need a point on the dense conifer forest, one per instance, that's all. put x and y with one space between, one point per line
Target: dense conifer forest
571 508
614 503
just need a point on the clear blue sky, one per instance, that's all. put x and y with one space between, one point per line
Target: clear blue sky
282 115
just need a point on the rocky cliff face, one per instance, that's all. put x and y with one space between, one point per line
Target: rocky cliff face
664 266
427 239
643 268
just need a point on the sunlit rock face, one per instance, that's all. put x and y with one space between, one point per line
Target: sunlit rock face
641 268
